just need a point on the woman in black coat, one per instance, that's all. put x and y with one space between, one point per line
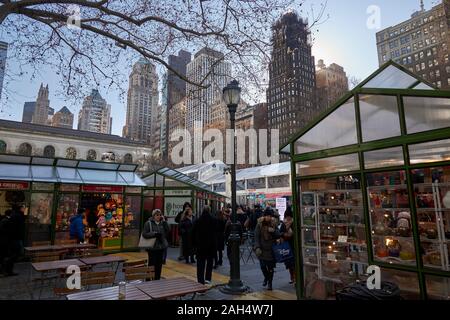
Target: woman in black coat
204 236
186 224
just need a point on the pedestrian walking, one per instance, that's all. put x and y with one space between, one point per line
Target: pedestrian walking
287 234
186 225
204 236
266 234
157 228
76 227
221 223
178 220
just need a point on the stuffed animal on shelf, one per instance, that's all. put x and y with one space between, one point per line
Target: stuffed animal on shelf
403 224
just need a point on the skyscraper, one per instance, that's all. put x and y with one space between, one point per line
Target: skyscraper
292 81
3 55
210 69
142 101
95 114
28 111
63 118
421 44
174 90
332 84
41 109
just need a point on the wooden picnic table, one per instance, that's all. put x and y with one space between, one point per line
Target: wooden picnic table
55 265
111 293
171 288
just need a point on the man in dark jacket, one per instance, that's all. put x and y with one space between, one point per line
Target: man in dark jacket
256 214
77 226
178 220
204 237
5 240
16 234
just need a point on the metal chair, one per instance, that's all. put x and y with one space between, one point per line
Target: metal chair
134 264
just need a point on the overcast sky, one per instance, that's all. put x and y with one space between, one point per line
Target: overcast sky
344 39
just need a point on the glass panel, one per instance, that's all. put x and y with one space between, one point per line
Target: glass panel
423 86
408 282
432 151
14 159
149 193
432 195
66 163
9 198
333 232
39 222
44 173
67 207
43 186
438 288
259 183
159 180
379 117
423 113
127 167
132 179
150 180
278 181
391 78
68 175
240 185
149 203
42 161
174 183
15 172
348 162
336 130
97 165
384 158
132 219
219 187
390 218
101 177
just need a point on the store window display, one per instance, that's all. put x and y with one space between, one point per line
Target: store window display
390 215
333 234
39 219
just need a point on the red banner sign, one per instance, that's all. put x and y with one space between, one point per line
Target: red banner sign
13 185
108 189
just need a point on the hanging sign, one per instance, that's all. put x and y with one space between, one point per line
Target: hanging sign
172 206
13 185
103 189
280 204
177 192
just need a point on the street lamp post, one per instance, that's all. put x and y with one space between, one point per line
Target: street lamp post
231 97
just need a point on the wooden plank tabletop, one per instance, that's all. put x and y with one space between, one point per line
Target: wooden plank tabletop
55 265
102 259
111 293
171 288
43 248
78 246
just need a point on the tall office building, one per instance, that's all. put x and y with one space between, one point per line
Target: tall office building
210 69
331 84
292 81
95 114
177 120
142 101
63 119
174 90
41 109
28 111
421 44
3 55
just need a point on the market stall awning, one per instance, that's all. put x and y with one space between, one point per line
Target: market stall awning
39 169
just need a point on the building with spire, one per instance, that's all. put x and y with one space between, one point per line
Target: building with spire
142 102
41 109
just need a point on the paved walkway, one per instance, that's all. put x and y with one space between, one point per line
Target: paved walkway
20 287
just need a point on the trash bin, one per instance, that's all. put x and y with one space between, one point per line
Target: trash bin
359 291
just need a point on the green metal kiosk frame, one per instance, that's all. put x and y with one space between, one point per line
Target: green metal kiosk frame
362 140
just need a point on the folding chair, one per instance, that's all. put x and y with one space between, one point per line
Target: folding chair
139 274
101 278
134 264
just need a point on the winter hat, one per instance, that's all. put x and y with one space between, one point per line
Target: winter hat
268 211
